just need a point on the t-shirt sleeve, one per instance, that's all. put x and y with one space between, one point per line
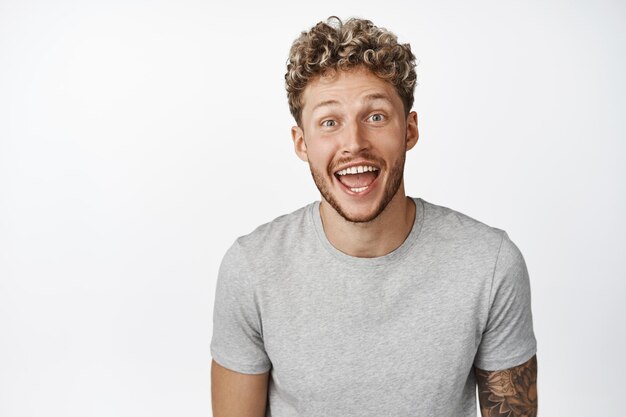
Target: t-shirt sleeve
237 341
508 339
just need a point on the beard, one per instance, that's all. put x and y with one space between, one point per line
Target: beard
391 188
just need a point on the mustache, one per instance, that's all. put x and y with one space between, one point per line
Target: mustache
363 155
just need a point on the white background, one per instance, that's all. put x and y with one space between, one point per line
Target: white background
138 139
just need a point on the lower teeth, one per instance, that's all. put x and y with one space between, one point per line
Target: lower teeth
358 190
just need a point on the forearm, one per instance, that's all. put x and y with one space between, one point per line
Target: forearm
510 392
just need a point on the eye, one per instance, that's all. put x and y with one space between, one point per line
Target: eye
378 117
329 123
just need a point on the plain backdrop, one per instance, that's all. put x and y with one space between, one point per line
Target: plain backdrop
138 139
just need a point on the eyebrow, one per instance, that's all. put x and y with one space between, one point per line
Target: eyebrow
369 97
325 103
377 96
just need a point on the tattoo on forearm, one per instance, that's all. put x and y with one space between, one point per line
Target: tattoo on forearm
509 393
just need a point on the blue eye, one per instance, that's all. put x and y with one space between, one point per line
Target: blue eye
377 117
329 123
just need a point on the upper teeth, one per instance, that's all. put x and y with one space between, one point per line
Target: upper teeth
357 170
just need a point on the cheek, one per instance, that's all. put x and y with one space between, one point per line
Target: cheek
320 154
392 150
397 146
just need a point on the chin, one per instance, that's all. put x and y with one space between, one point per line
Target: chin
359 212
360 217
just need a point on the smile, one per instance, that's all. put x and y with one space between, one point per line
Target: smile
357 179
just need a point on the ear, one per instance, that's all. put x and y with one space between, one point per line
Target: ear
297 134
412 134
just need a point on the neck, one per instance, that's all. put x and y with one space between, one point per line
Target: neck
376 238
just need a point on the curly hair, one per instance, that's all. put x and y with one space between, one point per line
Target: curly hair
329 47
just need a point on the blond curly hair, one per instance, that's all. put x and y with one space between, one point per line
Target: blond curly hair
334 45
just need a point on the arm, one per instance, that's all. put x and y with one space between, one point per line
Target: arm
510 392
237 395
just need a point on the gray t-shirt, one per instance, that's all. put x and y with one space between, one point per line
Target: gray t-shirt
396 335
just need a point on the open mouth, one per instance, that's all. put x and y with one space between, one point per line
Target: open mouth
359 178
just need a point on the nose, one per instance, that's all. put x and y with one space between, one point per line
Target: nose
354 139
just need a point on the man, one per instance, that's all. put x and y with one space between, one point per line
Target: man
369 302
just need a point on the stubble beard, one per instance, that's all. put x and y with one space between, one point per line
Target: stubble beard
393 184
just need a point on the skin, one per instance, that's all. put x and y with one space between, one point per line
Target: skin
510 392
234 394
354 116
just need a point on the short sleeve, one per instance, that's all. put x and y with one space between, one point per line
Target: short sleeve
508 339
237 341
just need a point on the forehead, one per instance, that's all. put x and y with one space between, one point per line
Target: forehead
348 87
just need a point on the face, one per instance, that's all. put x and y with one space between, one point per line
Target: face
354 135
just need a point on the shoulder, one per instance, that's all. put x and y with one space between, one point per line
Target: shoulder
276 236
463 240
451 226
